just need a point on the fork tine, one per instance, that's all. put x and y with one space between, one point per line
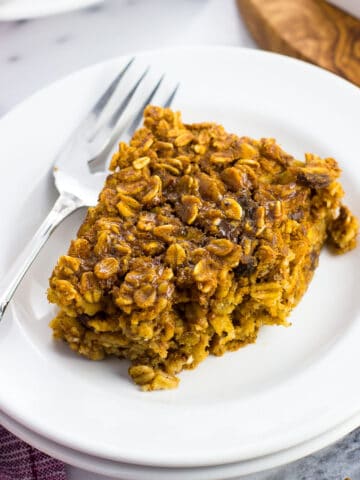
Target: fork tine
121 108
138 116
103 134
102 138
169 101
89 122
105 97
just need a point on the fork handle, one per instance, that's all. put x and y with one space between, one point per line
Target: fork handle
64 205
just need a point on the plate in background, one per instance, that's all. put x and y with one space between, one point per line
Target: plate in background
258 466
23 9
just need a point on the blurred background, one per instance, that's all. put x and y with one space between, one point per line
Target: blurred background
36 52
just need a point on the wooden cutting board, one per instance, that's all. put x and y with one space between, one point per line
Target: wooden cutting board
312 30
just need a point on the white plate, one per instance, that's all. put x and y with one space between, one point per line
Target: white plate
23 9
292 385
125 471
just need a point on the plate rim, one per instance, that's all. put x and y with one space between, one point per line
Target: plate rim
227 471
133 53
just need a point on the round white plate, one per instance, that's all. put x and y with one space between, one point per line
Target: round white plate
125 471
292 385
24 9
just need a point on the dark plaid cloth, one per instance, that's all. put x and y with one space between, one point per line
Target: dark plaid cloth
19 461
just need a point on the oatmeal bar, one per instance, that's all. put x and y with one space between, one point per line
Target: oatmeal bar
199 238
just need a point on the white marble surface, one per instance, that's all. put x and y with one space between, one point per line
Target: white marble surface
37 52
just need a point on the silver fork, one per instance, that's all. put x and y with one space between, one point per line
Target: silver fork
77 186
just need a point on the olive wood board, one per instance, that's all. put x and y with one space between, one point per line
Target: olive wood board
312 30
